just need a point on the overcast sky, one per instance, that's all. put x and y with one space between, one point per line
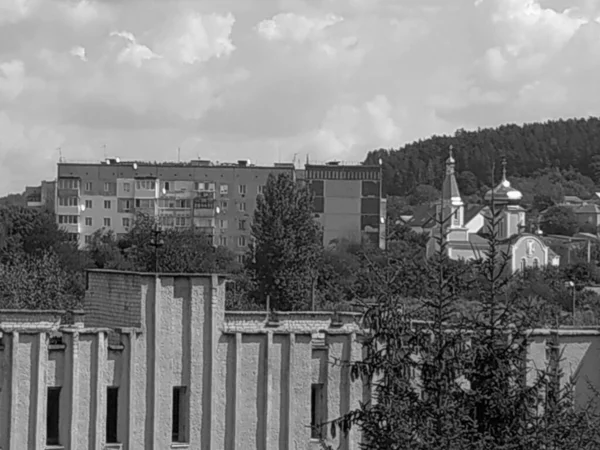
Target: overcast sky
265 79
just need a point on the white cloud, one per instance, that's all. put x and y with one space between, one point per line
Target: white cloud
12 79
295 27
78 52
196 38
232 80
133 53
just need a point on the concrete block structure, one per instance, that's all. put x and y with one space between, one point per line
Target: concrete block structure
157 363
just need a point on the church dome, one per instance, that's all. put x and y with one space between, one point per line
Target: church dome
504 192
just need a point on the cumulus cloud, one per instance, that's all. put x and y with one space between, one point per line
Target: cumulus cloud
332 79
12 74
196 38
295 27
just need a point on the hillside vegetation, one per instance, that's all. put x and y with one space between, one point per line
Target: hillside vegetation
563 151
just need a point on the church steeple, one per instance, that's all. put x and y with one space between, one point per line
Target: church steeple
450 192
451 208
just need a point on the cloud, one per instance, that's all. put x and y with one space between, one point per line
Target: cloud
196 38
78 52
230 80
12 74
295 27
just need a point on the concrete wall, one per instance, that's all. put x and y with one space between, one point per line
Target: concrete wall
249 382
248 378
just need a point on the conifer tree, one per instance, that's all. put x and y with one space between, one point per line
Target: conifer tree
461 382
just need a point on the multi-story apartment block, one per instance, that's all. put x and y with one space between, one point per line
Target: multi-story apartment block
349 201
218 199
42 196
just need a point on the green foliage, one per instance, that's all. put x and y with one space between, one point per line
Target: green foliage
285 256
422 194
571 146
37 282
460 382
559 220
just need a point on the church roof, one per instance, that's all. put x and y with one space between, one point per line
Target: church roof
450 189
504 192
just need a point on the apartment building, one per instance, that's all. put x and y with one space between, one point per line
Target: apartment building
348 201
218 199
42 196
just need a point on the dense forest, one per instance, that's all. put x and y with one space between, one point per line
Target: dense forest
568 148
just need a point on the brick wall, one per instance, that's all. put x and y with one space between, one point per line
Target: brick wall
113 299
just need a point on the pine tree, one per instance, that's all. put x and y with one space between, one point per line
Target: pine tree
287 245
461 382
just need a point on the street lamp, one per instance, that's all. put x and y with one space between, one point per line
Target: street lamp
571 285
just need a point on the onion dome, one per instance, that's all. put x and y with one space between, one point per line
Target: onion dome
504 192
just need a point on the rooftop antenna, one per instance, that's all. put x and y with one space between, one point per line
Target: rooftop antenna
60 157
105 154
178 154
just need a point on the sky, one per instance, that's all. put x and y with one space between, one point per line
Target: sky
269 79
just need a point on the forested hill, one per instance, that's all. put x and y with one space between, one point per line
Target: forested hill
530 148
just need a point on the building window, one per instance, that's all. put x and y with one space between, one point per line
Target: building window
224 205
68 183
126 222
127 187
200 186
317 410
144 203
88 204
125 205
179 422
536 263
224 189
242 224
241 241
106 204
167 186
87 238
68 219
53 416
107 221
242 189
88 186
106 187
241 259
223 223
67 201
242 206
523 264
223 241
148 185
88 221
261 189
112 413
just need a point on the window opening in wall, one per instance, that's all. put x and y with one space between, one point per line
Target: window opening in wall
53 416
112 409
317 410
523 264
179 422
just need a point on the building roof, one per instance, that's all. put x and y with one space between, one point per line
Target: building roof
572 199
424 216
587 208
504 192
450 189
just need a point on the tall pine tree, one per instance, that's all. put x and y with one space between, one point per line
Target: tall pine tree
287 245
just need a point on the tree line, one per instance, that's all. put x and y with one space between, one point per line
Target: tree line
550 159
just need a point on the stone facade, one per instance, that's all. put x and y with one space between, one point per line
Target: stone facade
158 364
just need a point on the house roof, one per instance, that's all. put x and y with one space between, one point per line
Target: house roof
588 208
424 216
572 199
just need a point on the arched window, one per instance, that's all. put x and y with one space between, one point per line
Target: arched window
523 264
536 263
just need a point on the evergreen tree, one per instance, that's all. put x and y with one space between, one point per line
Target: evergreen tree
461 382
287 245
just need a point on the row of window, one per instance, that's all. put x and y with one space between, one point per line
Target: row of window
127 204
343 174
179 417
536 263
242 241
150 185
